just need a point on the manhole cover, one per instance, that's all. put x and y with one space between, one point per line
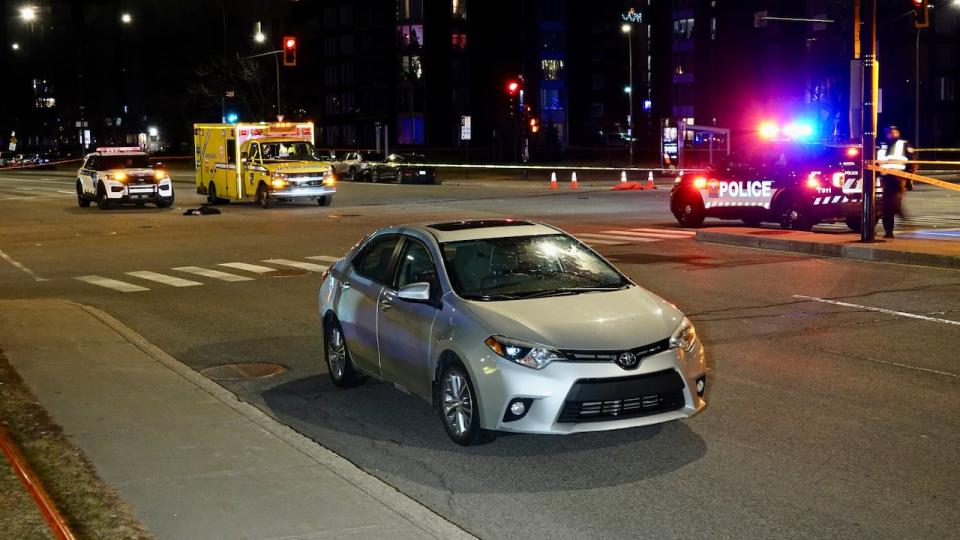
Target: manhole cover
769 233
287 273
244 370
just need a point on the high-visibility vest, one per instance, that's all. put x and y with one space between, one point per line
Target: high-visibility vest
893 160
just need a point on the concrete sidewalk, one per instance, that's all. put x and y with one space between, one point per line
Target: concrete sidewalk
906 248
192 460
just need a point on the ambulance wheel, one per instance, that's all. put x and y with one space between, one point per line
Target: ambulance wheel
82 199
212 195
794 215
688 209
263 197
325 200
103 202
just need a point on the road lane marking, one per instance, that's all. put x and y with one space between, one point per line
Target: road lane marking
655 236
878 310
114 284
325 258
163 278
627 235
255 268
667 232
215 274
600 240
20 266
298 264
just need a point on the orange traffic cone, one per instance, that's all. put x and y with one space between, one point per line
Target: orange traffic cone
573 180
553 180
650 184
623 176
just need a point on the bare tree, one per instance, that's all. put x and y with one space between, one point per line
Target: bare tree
244 76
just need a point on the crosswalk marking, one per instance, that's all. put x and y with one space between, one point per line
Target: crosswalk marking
618 237
298 264
215 274
599 242
325 258
667 232
163 278
255 268
114 284
646 236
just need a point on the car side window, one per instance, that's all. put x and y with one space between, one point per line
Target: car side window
374 261
416 265
94 163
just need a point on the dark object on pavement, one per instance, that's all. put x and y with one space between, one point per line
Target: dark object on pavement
203 210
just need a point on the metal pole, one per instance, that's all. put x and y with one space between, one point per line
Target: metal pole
869 139
276 60
630 123
916 99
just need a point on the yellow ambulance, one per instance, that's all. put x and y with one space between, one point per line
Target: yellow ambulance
262 162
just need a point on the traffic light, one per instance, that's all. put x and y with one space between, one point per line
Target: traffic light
289 51
921 13
513 87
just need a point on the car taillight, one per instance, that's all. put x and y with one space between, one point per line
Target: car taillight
813 180
837 179
852 151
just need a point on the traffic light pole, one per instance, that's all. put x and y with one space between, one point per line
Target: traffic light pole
869 138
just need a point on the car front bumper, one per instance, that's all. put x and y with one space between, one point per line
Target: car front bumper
311 192
574 397
121 192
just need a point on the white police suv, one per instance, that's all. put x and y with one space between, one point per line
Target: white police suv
122 175
794 184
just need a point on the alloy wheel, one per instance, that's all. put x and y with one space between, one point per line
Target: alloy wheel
336 353
457 403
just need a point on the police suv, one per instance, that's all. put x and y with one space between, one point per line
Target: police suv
794 184
122 175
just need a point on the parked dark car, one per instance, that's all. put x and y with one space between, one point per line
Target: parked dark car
403 169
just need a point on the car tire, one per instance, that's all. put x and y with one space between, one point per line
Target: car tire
82 199
165 202
103 202
688 210
352 174
336 355
263 197
458 408
794 215
375 177
325 200
212 195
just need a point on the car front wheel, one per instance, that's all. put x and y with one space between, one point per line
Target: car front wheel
82 199
458 407
337 357
103 202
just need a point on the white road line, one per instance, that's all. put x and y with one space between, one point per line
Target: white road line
601 240
67 192
670 232
165 279
626 235
32 181
878 310
215 274
298 264
325 258
255 268
114 284
20 266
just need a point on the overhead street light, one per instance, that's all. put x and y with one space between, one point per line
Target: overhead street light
28 13
126 18
625 28
15 46
259 36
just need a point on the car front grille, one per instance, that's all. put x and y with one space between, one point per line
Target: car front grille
592 400
641 352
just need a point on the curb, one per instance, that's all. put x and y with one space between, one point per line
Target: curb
417 514
846 251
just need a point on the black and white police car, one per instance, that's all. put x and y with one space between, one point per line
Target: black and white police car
794 184
122 175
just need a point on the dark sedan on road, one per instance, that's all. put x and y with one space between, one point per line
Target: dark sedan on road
403 169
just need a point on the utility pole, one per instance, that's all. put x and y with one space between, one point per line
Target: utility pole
871 78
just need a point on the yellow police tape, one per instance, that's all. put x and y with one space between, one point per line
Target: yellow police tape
914 177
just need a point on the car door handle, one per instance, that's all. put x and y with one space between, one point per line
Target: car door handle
385 304
345 285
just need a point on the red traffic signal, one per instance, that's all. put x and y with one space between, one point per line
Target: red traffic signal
921 13
513 87
289 51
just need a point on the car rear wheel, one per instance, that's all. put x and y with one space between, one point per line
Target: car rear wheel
794 215
325 200
458 408
688 210
82 199
263 197
337 357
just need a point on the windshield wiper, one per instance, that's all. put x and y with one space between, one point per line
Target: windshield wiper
565 291
487 297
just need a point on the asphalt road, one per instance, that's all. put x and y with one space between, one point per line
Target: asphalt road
823 420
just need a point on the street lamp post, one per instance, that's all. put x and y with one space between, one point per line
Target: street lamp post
626 29
869 131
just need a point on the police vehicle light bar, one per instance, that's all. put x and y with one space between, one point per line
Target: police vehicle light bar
769 130
116 149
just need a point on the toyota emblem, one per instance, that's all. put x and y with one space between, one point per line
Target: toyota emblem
627 360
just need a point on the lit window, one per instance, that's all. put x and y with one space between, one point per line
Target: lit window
410 35
411 68
458 8
552 69
458 41
550 99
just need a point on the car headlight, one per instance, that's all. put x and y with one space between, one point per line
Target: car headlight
278 183
684 337
521 352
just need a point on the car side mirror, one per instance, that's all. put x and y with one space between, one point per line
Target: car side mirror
415 292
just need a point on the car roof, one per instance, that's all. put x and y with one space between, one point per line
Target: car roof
477 229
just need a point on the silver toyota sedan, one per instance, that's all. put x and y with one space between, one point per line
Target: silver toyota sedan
506 325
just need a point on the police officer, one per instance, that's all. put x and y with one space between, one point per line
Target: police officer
892 155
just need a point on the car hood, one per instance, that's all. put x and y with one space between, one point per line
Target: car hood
621 319
299 167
